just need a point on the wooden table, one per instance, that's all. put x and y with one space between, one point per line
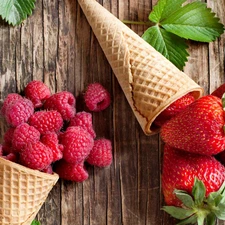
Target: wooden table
56 45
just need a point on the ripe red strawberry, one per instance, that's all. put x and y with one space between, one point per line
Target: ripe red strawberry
198 128
219 91
175 108
193 182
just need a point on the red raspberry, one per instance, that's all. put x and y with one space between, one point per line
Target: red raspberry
10 99
48 170
7 148
101 153
11 157
8 135
96 97
37 92
51 140
19 112
36 156
71 171
46 121
64 102
24 134
83 119
77 144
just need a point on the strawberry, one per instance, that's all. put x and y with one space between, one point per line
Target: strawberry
193 186
198 128
219 91
175 108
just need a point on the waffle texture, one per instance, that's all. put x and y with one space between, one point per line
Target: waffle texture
22 192
149 81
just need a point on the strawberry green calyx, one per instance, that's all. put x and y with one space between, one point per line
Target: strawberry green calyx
197 208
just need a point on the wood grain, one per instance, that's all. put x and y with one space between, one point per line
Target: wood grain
56 45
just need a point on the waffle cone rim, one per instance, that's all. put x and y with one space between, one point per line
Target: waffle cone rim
27 170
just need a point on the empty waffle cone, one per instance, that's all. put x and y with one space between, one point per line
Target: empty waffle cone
22 192
149 81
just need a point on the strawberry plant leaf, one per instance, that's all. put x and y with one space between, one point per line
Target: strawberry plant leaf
178 213
163 9
15 11
35 222
194 21
168 44
186 199
198 191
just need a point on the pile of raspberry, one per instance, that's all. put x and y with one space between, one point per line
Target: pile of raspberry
46 133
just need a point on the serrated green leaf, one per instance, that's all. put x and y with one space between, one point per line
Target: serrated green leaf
177 212
168 44
164 9
190 220
15 11
194 21
185 198
198 191
35 222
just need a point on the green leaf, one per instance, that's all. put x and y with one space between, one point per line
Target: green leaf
198 191
168 44
194 21
185 198
15 11
210 219
164 9
35 222
178 213
190 220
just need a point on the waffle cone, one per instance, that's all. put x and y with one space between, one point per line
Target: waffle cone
22 192
149 81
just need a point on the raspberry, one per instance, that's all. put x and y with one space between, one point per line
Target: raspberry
36 156
10 99
37 92
8 135
77 144
11 157
48 170
46 121
71 171
83 119
64 102
96 97
7 148
24 134
51 140
101 153
19 112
